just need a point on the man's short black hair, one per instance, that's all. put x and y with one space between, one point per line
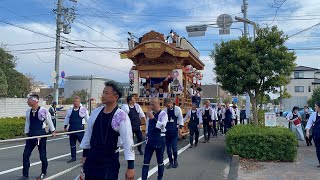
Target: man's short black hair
115 87
295 108
129 98
167 100
34 96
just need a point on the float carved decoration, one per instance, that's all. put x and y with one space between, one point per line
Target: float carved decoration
153 50
153 35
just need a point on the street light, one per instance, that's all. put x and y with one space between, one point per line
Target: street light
240 19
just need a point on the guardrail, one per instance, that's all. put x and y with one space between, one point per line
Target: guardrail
35 137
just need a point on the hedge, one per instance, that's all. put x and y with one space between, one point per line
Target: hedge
11 127
262 143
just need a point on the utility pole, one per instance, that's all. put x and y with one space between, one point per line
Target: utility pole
244 9
90 102
68 15
57 55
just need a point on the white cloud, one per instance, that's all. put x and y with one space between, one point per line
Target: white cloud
29 63
191 12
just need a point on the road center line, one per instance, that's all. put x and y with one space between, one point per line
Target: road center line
155 169
10 147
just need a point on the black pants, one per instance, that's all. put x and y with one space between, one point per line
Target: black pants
235 121
221 126
149 149
242 120
227 126
73 138
308 140
194 131
206 130
317 144
42 148
54 122
138 134
172 149
214 130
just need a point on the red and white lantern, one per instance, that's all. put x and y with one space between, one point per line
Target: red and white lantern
188 69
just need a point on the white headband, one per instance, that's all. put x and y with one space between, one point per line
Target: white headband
33 99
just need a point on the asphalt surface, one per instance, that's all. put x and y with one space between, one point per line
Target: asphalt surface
207 161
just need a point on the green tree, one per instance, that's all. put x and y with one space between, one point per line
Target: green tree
228 99
3 84
254 67
264 99
315 97
276 101
83 94
18 84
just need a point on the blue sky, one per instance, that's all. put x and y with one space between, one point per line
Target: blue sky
106 23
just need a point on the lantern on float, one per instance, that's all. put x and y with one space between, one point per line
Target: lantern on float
188 69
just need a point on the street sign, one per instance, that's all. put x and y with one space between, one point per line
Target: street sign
224 21
62 84
270 119
197 30
224 31
235 99
63 74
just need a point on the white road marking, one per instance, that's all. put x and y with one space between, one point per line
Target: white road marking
36 163
155 169
10 147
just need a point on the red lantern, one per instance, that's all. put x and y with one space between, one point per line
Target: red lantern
188 69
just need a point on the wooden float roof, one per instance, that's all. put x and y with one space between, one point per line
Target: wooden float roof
153 47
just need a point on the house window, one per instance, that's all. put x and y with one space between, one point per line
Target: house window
298 89
309 88
298 75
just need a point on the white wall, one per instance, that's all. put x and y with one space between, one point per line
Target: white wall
11 107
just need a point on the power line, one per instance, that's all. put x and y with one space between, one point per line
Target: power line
39 33
81 59
304 49
28 43
304 30
105 16
43 60
27 18
34 49
24 28
279 3
19 53
98 32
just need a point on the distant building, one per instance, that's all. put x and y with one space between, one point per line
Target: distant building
213 91
303 81
74 83
37 87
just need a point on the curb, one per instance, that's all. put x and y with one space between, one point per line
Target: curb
234 167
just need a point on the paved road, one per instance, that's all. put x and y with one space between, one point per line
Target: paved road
204 162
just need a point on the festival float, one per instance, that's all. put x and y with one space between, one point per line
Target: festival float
163 63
